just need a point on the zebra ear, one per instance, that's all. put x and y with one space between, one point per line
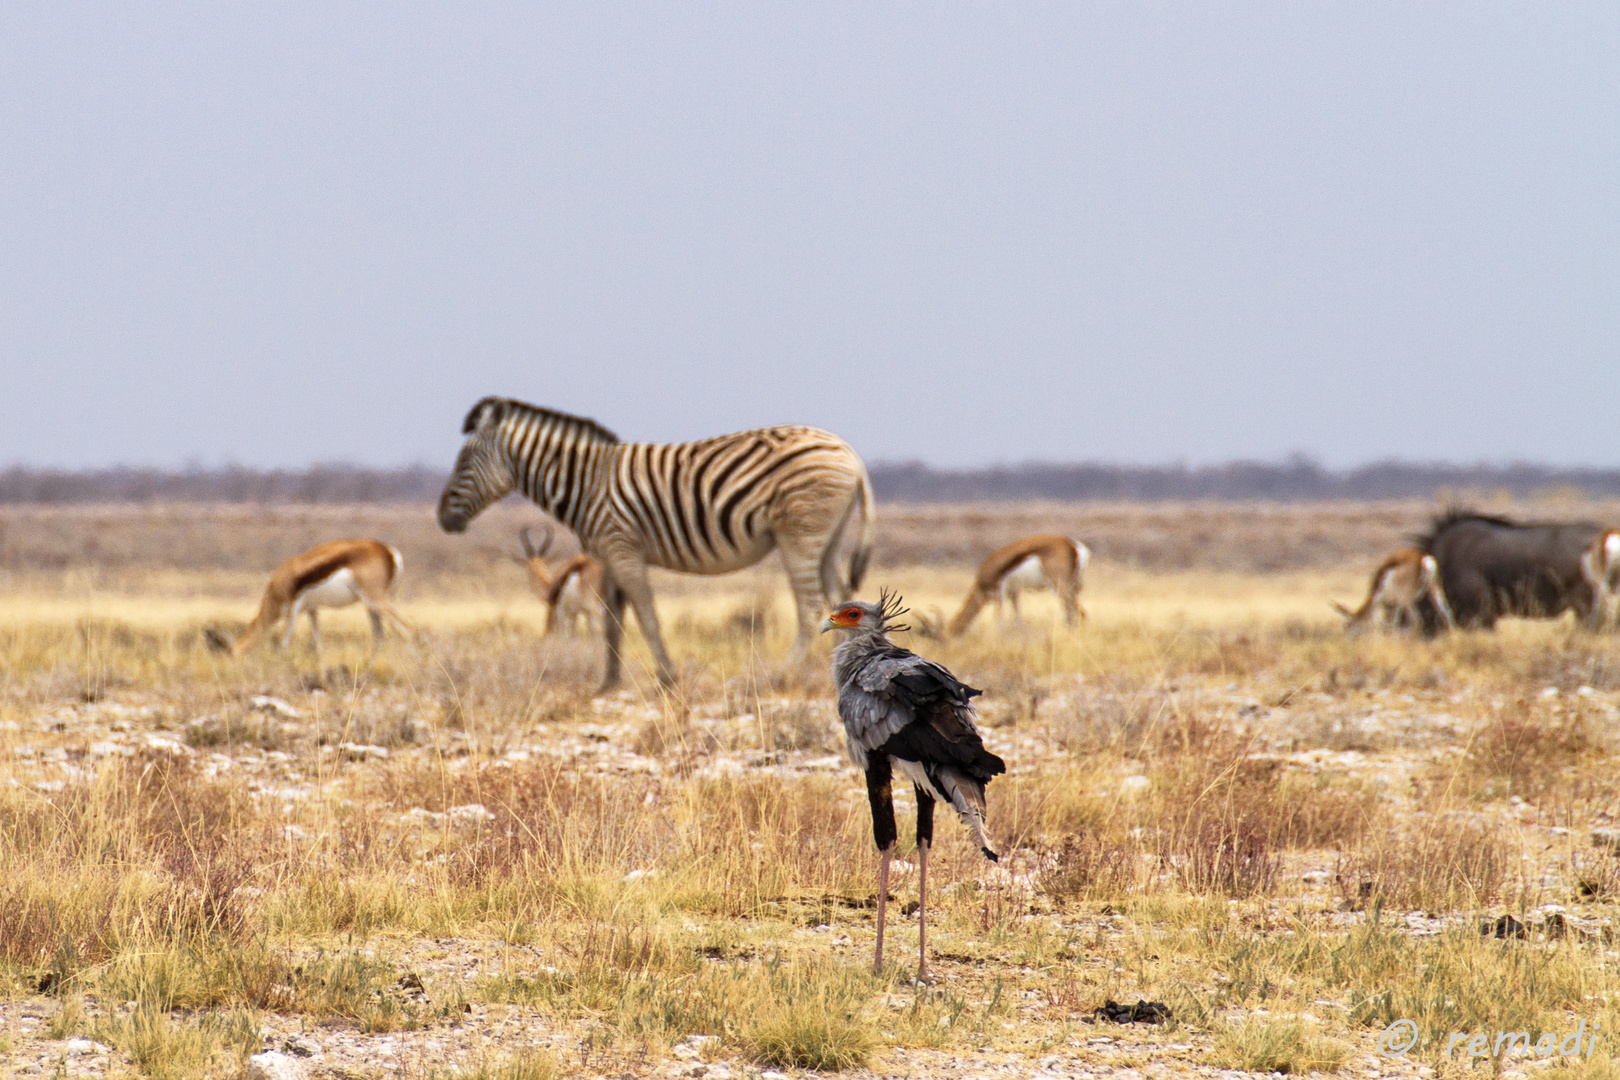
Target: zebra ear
488 411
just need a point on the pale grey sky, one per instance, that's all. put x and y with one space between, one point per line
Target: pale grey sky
286 233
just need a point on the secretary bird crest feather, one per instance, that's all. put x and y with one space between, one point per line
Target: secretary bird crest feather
903 712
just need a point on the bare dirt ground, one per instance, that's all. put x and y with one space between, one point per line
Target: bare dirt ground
446 858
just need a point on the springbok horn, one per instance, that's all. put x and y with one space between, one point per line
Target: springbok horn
528 548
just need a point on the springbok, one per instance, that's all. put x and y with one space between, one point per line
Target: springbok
1400 581
1035 562
334 574
1600 565
572 592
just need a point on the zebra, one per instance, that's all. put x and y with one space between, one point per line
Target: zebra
707 507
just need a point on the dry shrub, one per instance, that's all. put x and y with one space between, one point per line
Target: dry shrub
1117 717
1236 656
372 728
1210 811
799 725
1231 857
804 828
151 847
670 733
1357 675
550 818
1231 815
239 728
1525 751
1572 664
492 675
1597 875
1086 867
1439 863
38 928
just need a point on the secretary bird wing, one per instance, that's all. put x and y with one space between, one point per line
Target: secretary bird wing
954 724
909 678
871 719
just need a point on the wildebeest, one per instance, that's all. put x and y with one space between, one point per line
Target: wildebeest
1491 567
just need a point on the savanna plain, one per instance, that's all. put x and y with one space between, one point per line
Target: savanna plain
447 858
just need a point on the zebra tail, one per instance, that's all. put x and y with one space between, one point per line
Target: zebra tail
863 547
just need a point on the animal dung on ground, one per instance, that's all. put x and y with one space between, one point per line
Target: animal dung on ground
1143 1012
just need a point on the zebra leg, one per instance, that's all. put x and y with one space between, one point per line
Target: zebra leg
631 577
834 586
804 564
612 632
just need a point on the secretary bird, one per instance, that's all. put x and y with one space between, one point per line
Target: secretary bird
903 712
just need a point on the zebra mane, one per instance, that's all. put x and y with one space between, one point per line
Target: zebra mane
502 406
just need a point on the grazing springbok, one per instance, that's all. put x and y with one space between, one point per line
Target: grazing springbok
334 574
1601 568
572 592
1399 583
1035 562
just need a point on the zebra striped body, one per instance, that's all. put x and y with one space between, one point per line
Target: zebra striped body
706 507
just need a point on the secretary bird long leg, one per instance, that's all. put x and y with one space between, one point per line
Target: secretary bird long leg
879 774
922 911
883 904
925 840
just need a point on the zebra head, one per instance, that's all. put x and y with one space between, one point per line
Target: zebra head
483 470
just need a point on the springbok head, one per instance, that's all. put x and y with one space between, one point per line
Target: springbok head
530 552
930 623
533 560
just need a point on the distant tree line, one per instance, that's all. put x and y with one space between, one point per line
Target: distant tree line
228 484
1297 479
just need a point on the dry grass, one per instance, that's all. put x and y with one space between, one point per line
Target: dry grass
1216 800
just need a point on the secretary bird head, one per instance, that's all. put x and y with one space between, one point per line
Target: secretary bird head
878 618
